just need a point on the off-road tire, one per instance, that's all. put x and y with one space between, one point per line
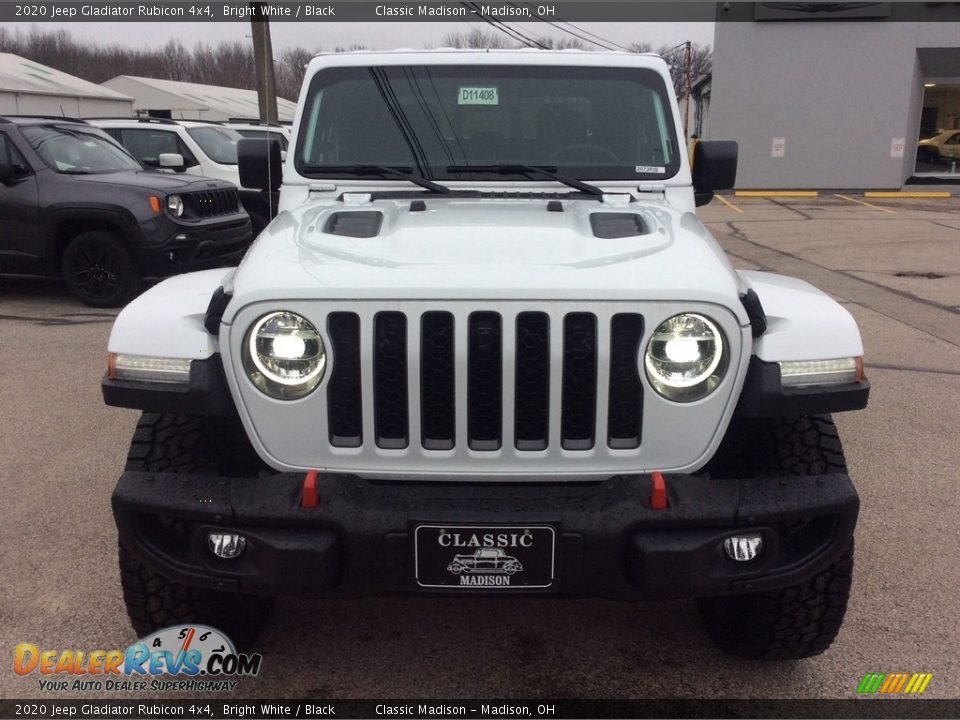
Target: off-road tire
99 270
802 620
188 444
779 447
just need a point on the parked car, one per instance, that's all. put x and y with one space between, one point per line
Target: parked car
943 145
200 148
263 130
74 203
488 313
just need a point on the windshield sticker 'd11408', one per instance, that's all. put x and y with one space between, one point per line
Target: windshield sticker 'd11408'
650 169
478 96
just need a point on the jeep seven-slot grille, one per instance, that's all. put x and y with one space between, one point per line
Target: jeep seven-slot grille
210 203
513 358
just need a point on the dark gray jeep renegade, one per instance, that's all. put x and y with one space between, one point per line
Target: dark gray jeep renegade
75 203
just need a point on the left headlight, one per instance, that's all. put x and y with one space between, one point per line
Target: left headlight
175 205
686 357
284 355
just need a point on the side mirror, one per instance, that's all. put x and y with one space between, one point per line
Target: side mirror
171 160
714 167
260 163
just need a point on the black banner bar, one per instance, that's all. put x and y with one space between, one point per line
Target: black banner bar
40 11
50 708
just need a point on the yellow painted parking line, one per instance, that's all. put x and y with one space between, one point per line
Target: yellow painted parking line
729 204
900 194
777 193
869 205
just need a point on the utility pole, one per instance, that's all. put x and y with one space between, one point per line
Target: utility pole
689 83
263 61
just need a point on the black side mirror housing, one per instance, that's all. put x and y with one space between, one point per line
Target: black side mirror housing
260 164
714 168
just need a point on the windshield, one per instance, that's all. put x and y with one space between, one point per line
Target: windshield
78 150
587 123
219 143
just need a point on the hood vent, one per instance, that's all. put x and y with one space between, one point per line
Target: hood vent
358 223
610 226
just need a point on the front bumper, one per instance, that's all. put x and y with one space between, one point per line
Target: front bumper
610 543
197 246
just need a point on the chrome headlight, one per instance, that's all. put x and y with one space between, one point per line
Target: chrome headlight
686 357
284 355
175 205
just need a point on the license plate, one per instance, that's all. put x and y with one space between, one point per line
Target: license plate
500 557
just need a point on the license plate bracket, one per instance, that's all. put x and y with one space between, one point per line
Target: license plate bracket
484 557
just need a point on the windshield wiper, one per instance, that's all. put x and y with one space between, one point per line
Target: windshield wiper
404 173
546 171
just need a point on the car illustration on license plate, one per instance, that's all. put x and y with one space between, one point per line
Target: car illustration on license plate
473 557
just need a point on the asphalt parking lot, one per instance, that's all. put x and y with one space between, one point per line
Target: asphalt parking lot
895 264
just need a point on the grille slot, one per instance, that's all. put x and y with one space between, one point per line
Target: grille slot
210 203
345 418
484 381
437 381
579 390
532 391
390 411
535 380
625 403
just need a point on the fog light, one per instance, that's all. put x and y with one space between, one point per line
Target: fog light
743 548
226 545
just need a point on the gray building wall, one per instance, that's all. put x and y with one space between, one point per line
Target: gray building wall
838 93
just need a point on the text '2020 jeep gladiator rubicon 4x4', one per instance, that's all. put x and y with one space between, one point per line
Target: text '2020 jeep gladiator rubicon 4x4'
487 317
74 203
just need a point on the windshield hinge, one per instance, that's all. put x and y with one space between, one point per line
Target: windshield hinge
616 199
658 188
322 188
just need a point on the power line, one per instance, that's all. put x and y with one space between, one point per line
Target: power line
599 37
569 32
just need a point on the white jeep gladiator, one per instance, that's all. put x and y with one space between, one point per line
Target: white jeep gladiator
487 317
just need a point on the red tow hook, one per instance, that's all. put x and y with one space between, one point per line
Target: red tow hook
311 498
658 498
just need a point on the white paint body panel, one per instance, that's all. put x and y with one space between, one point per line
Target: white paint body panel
803 323
167 320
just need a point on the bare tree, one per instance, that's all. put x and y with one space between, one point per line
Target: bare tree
563 43
476 39
176 61
290 69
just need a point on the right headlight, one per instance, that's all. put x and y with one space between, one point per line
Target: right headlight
686 357
284 355
175 205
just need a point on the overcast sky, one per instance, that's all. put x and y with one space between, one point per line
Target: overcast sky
378 36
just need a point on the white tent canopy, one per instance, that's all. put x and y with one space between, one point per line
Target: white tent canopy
29 88
193 101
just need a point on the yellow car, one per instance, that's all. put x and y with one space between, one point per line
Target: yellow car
945 144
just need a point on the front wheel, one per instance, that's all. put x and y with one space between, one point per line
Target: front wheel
153 602
189 445
97 268
788 624
800 620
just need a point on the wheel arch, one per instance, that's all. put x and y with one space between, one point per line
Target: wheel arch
803 322
66 222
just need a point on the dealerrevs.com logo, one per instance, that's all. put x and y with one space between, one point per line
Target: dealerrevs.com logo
187 658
